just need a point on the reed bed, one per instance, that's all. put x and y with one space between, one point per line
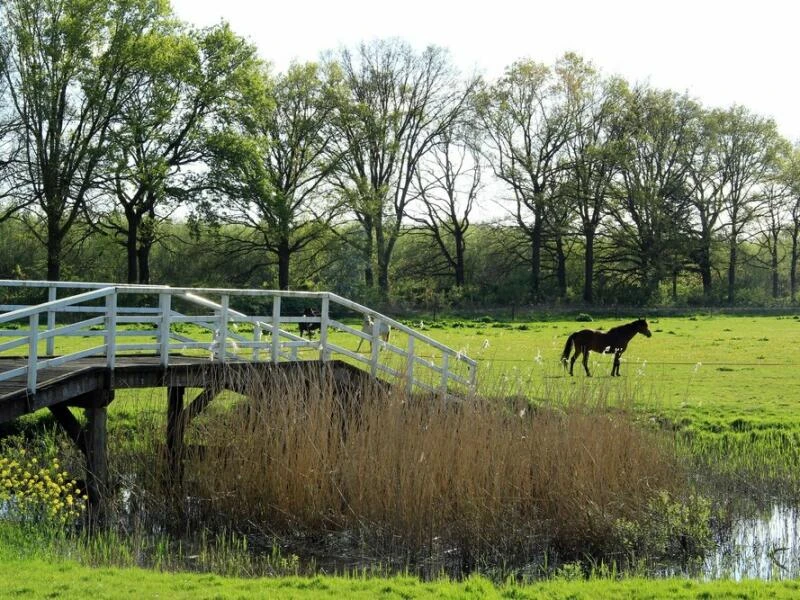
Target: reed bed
362 474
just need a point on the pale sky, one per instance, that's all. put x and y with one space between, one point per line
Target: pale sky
721 53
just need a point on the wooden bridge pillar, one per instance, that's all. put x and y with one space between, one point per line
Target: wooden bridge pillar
91 441
175 429
97 458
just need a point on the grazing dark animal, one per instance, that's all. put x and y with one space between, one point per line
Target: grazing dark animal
308 327
614 340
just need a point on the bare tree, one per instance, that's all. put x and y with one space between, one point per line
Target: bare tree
527 115
749 147
449 184
400 103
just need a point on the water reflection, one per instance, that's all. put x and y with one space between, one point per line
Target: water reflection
762 546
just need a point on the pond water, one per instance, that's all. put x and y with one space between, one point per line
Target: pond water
760 546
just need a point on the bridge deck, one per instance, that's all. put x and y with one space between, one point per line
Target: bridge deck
70 382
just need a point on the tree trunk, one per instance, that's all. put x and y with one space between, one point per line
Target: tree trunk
383 261
588 268
675 286
143 255
536 260
704 266
561 268
53 252
459 266
732 271
284 255
131 243
793 265
774 265
369 275
383 275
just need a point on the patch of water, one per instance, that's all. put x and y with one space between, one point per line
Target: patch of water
765 546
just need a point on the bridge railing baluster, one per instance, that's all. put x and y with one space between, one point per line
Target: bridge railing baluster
111 329
33 351
276 327
164 302
221 337
52 292
324 351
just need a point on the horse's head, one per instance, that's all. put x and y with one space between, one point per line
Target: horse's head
641 327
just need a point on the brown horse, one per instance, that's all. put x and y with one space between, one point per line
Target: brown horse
614 340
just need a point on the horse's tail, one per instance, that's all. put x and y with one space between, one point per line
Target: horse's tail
567 348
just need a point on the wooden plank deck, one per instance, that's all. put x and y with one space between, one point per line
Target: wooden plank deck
71 382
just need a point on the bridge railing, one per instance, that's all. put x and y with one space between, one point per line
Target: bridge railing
166 321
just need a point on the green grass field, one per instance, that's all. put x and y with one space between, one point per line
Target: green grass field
725 384
66 580
702 374
710 372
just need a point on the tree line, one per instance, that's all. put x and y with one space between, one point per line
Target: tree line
379 167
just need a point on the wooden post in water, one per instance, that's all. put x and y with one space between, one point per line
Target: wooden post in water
97 453
175 427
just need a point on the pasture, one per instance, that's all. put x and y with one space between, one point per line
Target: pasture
703 374
721 388
706 372
726 385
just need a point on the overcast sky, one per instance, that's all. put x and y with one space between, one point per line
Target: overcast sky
721 53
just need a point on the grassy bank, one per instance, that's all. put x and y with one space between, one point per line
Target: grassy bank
39 578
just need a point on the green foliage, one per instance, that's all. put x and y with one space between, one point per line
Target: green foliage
670 530
584 318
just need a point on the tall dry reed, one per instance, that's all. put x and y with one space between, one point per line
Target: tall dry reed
480 479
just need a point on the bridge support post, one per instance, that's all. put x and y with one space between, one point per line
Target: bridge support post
97 453
92 442
175 427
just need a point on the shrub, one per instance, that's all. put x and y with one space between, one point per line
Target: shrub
38 492
484 319
584 318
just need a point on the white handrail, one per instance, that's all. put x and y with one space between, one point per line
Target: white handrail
269 338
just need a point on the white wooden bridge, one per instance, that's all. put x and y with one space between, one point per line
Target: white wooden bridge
69 344
170 322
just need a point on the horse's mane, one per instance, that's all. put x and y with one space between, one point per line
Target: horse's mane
626 326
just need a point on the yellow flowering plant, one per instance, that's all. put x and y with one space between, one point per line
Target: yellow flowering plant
37 491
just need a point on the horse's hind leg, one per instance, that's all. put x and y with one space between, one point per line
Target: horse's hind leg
586 362
615 365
